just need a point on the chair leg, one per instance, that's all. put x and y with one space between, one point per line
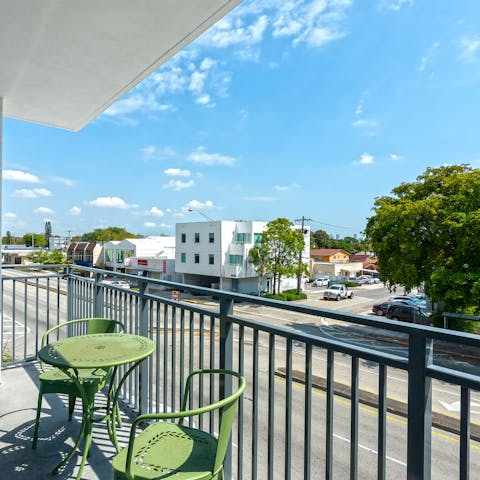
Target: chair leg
71 405
37 418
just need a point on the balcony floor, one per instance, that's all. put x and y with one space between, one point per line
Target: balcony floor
18 399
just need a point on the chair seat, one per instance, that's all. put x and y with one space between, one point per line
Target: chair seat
56 381
167 450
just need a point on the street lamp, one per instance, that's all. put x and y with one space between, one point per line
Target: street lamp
190 209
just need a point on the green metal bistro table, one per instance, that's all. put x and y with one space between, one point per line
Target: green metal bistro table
102 350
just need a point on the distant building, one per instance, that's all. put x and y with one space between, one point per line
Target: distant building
17 254
215 254
58 243
335 255
117 253
86 254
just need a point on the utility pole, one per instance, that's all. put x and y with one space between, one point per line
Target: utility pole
299 275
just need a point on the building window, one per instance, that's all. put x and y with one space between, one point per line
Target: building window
244 237
197 238
184 237
257 238
211 237
197 258
183 257
211 259
236 259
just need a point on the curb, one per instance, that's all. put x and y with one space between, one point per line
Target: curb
397 407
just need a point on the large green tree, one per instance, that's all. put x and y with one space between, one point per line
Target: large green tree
107 235
278 252
428 232
37 238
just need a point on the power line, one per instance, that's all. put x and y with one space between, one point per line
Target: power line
330 225
299 276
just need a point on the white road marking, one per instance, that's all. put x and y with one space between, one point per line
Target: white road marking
455 406
371 450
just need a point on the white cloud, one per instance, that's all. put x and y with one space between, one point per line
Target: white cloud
177 172
110 202
156 212
150 224
205 100
207 63
396 4
19 176
75 210
394 157
10 215
233 30
32 193
365 159
284 188
367 125
152 152
200 155
43 210
144 103
470 47
178 185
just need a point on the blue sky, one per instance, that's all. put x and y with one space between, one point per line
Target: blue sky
284 109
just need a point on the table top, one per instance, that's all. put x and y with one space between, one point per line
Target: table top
97 350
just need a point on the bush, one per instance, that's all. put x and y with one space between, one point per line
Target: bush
287 296
350 284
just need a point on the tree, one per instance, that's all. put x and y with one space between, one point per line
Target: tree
428 232
107 235
321 239
256 257
8 238
57 257
278 251
38 240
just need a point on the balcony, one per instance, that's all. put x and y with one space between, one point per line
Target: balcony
329 395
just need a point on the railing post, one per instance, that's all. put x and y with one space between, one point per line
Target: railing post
98 311
143 369
226 362
68 274
420 352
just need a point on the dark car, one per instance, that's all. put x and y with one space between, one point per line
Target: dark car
408 313
381 308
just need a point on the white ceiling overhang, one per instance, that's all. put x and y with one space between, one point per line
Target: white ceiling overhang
62 63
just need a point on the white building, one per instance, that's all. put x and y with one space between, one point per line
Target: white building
146 250
215 254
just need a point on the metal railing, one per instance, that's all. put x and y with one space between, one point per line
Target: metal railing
292 422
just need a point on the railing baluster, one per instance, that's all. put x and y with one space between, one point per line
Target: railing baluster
255 405
288 410
241 368
157 354
329 416
212 378
464 433
271 406
165 357
354 421
382 421
200 366
14 319
182 354
307 450
173 336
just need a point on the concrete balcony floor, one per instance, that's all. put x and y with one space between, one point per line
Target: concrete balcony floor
18 400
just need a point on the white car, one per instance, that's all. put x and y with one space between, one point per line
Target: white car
320 282
118 283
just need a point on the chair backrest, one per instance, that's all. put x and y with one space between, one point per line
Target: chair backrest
227 407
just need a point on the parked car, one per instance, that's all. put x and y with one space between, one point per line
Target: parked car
405 312
408 298
381 308
320 282
118 283
336 292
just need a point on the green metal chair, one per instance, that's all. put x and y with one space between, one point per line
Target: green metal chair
55 381
170 450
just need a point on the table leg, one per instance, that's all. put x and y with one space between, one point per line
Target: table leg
111 419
